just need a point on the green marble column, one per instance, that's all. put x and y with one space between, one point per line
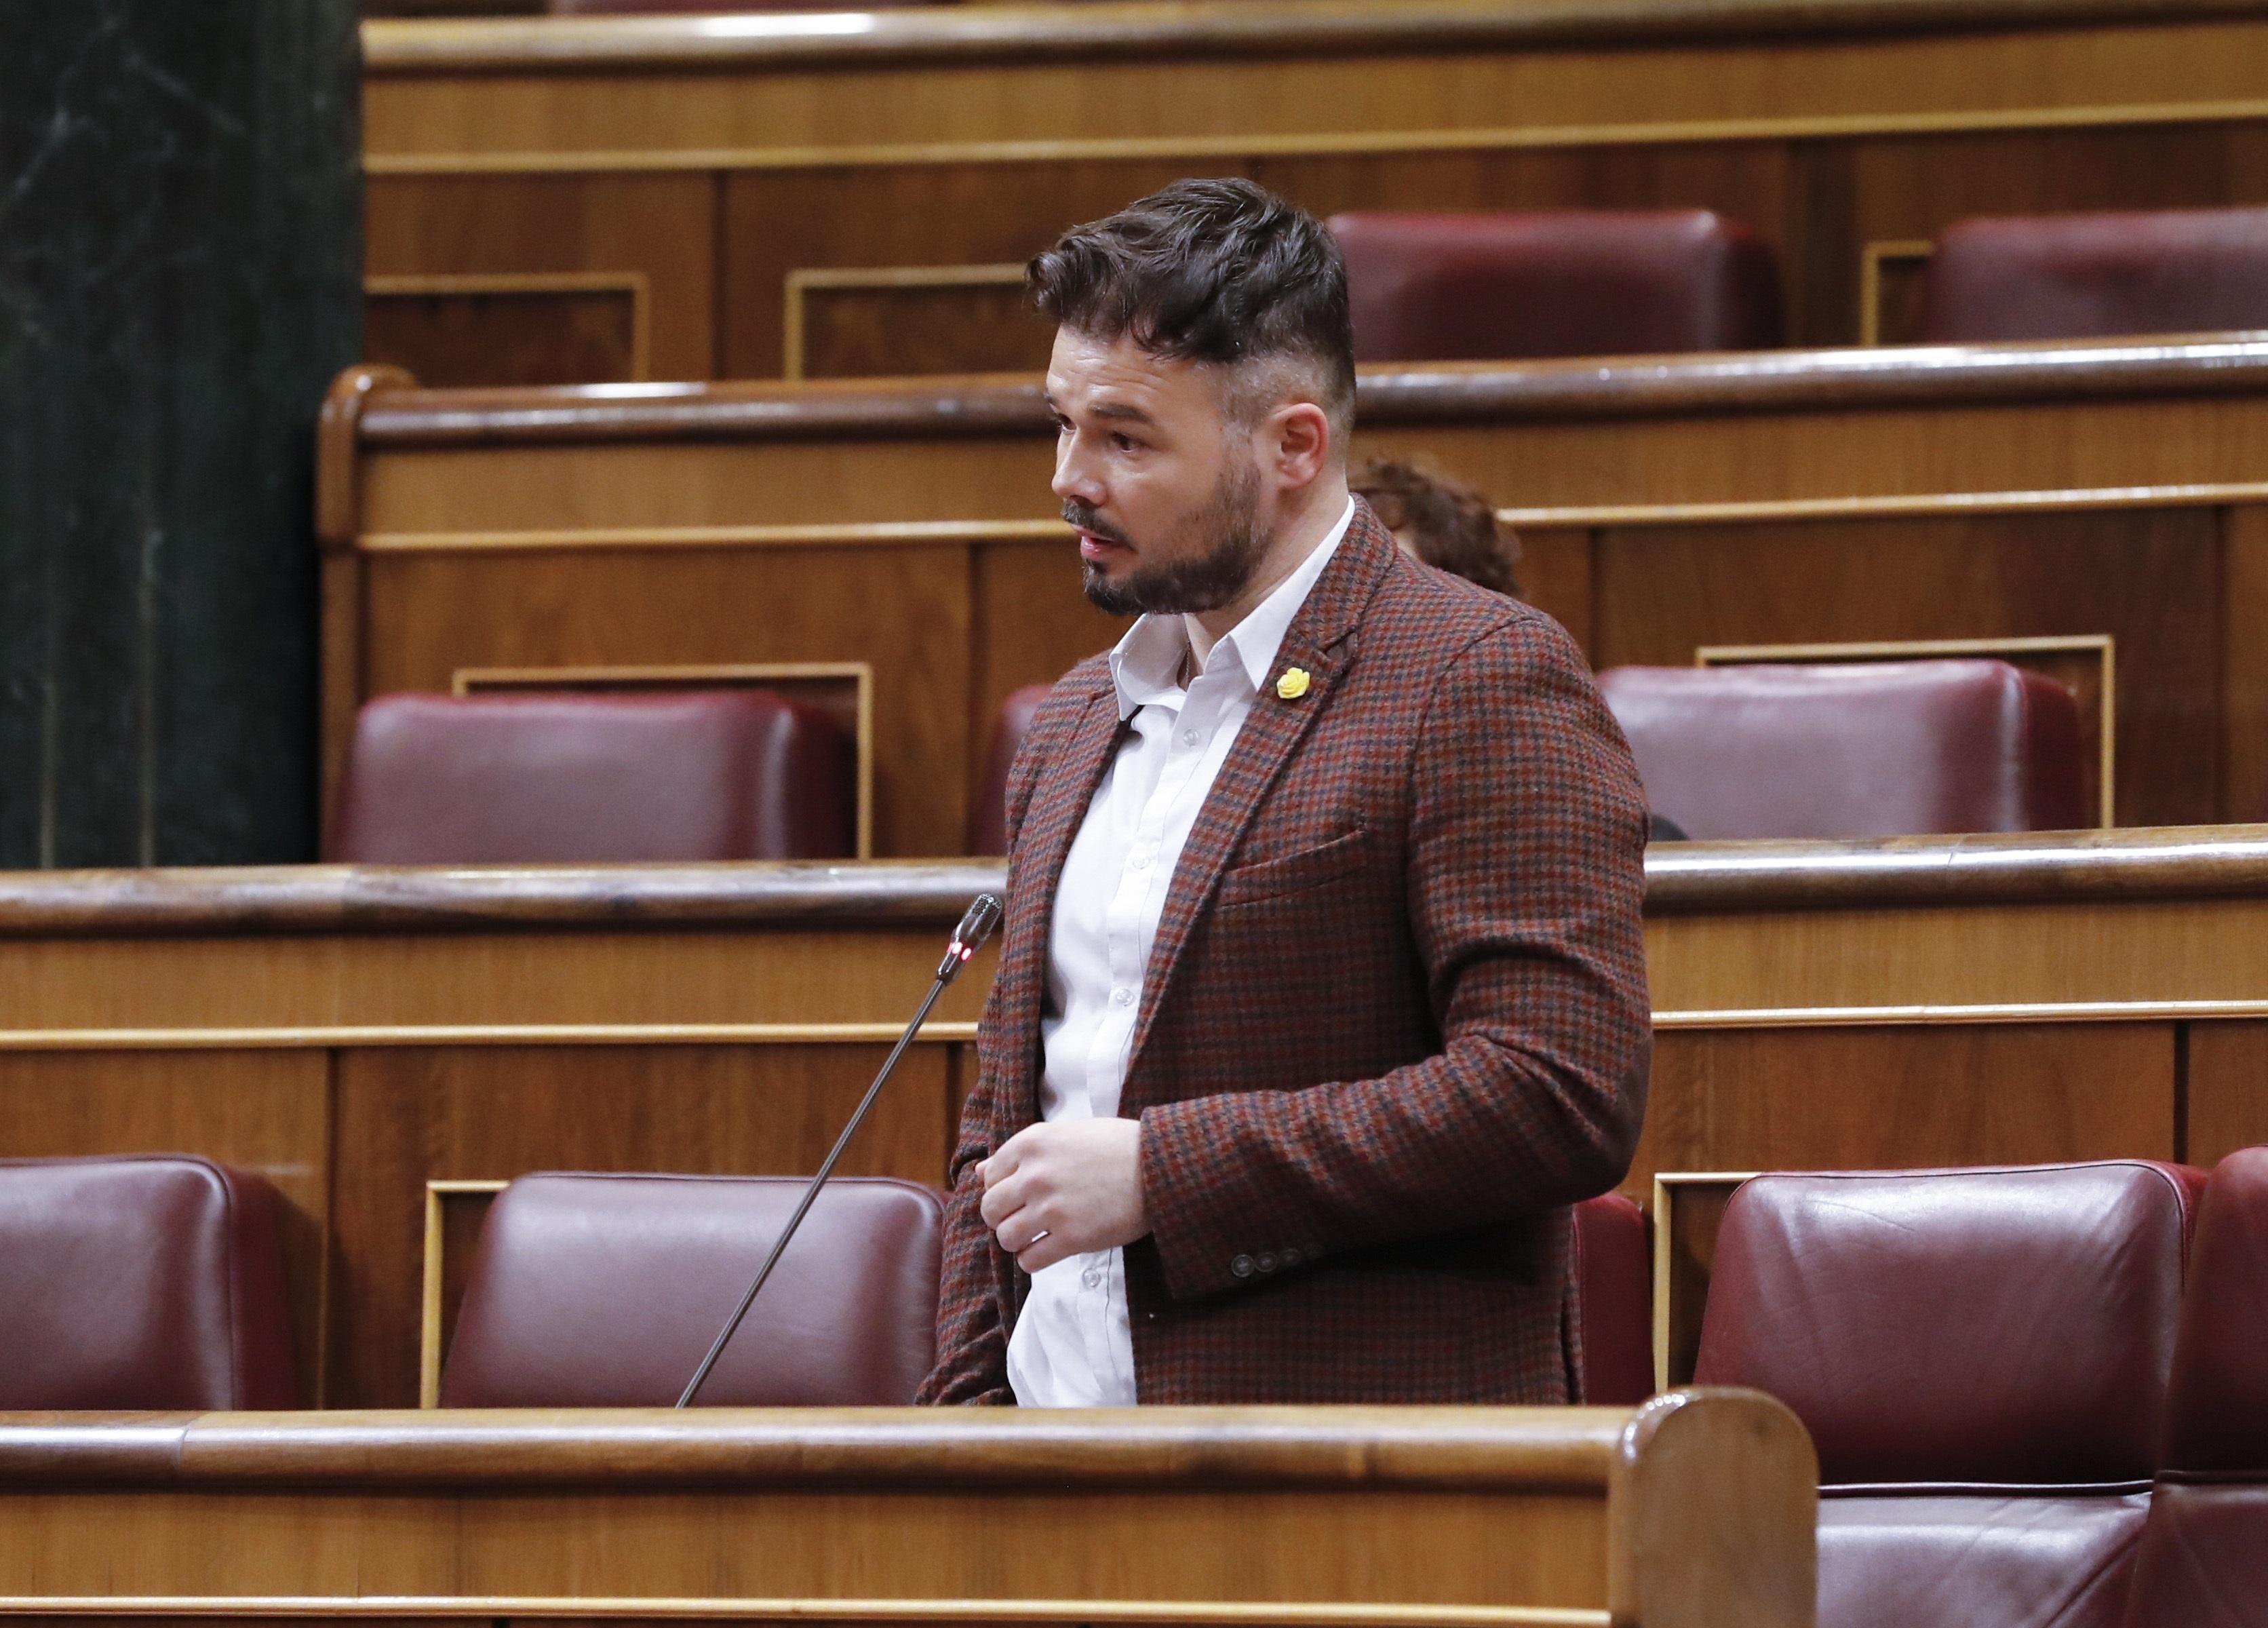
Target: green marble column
179 264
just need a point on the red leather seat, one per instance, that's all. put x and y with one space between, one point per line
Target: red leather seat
988 802
2078 276
151 1283
568 778
1614 1300
1455 287
1889 748
606 1291
1980 1359
2203 1562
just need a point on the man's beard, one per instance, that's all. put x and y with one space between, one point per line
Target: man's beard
1220 568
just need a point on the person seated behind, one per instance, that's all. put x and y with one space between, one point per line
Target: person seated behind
1444 523
1451 527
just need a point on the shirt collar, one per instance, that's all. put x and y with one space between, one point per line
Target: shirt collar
1145 663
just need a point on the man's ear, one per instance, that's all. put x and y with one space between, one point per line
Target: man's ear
1299 443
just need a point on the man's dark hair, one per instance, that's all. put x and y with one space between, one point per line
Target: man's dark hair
1217 271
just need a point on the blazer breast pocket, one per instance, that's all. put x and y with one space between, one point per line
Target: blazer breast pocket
1294 872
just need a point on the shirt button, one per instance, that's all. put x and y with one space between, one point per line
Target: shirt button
1139 862
1123 996
1242 1266
1092 1277
1189 737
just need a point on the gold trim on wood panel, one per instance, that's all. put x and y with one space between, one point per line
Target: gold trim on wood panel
1664 1255
2002 1011
879 534
964 534
1228 147
804 278
934 1032
429 1289
1259 1613
2103 647
468 680
1870 279
634 283
1891 505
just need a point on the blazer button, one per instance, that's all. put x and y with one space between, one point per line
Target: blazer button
1267 1261
1242 1266
1291 1257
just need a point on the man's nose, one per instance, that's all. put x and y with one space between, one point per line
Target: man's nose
1074 476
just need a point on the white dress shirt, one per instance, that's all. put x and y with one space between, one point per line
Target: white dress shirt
1073 1346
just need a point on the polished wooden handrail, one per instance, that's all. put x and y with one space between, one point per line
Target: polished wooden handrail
343 898
1000 34
1344 1447
1681 879
1387 395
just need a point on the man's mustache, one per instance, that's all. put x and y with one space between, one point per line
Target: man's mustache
1081 517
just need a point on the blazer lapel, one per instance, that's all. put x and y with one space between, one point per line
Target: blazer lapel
1051 818
1321 640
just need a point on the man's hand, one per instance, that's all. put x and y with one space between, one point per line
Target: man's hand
1056 1190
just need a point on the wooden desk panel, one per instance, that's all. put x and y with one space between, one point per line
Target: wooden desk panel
1879 496
1696 1508
717 162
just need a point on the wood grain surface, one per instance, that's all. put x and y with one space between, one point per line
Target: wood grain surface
724 160
1697 1508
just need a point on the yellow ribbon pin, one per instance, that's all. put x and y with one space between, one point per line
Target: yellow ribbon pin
1292 685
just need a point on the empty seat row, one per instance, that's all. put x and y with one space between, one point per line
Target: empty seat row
1889 748
157 1282
1829 750
1449 287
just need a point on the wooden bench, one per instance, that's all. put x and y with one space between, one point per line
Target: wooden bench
572 200
2110 495
387 1045
1695 1509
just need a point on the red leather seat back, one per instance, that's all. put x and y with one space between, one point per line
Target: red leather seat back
606 1291
988 804
2078 276
587 778
1450 287
152 1283
1614 1300
1889 748
2205 1554
1981 1357
2009 1327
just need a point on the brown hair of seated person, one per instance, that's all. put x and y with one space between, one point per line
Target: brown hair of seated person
1445 523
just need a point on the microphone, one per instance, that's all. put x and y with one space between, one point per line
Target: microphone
977 926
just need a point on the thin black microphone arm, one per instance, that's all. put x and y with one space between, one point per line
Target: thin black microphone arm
977 926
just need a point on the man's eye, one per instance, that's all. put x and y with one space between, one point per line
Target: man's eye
1125 443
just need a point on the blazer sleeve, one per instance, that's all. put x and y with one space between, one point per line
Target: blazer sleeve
1526 876
972 1326
972 1339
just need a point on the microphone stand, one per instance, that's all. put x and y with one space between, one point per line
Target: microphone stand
983 915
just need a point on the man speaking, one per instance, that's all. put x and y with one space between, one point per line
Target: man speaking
1321 996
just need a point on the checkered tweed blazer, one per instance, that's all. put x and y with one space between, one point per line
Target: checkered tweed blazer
1394 1023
